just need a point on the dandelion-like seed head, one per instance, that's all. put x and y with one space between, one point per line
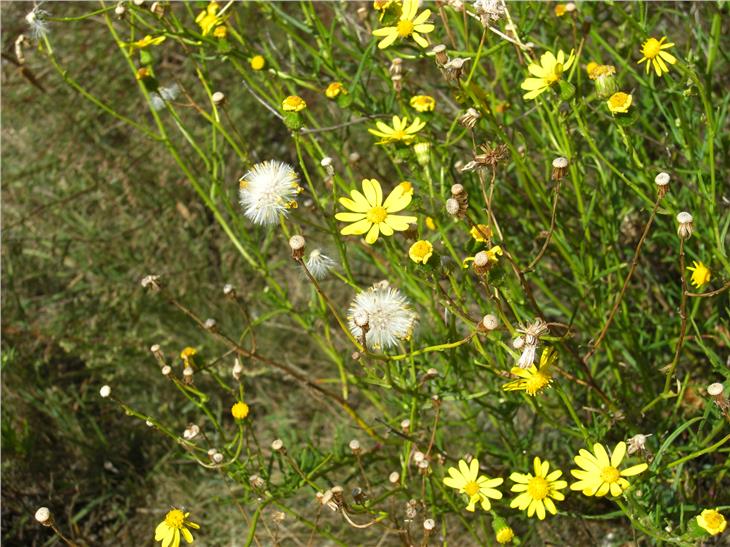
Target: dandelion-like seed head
319 265
686 226
37 23
390 318
268 190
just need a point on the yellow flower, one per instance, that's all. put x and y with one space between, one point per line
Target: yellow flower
187 352
560 10
533 380
220 32
654 54
700 274
598 474
548 72
479 488
481 232
175 523
148 41
420 251
430 224
409 24
240 410
334 89
596 71
423 103
505 535
373 215
538 491
400 132
619 103
712 521
293 103
208 18
257 62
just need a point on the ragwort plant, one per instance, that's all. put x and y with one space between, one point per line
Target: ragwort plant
501 229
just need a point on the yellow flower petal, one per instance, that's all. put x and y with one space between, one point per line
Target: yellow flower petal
358 228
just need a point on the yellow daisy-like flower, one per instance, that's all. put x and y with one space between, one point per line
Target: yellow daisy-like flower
479 488
293 103
371 215
538 491
409 25
142 73
619 103
208 19
548 72
174 525
423 103
334 89
420 251
712 521
257 62
700 274
505 535
400 132
239 411
148 41
534 379
598 474
560 10
481 232
654 55
220 32
187 353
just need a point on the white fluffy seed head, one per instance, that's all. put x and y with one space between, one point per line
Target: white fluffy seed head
268 190
662 179
518 342
560 162
43 515
389 317
297 243
715 389
105 391
319 264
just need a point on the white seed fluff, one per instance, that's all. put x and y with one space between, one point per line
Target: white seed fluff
390 317
319 265
268 190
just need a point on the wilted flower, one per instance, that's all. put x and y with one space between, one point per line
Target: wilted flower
319 265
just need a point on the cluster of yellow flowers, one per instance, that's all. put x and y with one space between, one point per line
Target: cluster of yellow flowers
599 474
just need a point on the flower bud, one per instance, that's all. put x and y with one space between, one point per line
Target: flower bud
685 228
423 153
218 98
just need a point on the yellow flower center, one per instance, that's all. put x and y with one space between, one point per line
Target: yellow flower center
536 382
175 519
471 488
376 215
421 248
405 28
619 99
651 48
610 474
239 411
399 135
713 519
555 76
538 488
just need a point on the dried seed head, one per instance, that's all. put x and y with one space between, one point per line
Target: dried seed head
158 8
354 157
155 349
453 69
518 342
440 55
277 445
490 322
218 98
405 425
355 447
452 207
429 524
191 432
481 259
394 477
715 390
560 166
396 67
457 190
119 10
469 118
397 82
685 228
430 374
327 164
297 243
210 324
229 291
166 370
188 372
148 423
138 2
418 456
662 183
423 467
217 457
237 371
105 391
151 282
256 482
43 515
338 495
637 442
